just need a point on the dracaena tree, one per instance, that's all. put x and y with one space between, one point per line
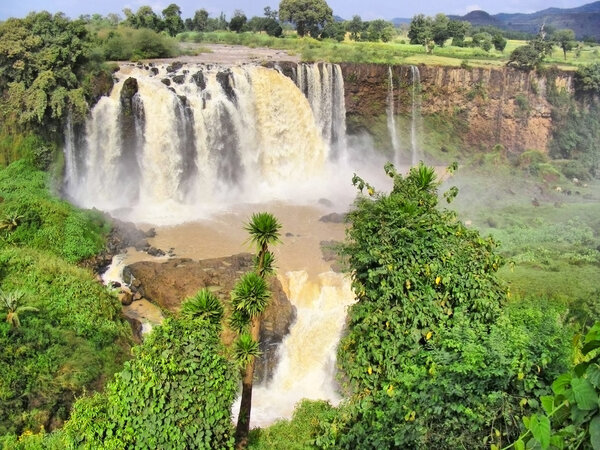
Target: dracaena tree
250 298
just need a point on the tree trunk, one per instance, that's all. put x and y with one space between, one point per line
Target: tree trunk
243 424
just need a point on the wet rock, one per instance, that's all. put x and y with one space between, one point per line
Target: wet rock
333 218
326 202
125 297
226 82
179 79
153 251
175 66
154 70
169 283
198 78
166 81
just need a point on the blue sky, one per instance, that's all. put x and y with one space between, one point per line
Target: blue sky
368 10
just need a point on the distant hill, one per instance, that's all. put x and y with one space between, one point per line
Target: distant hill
583 20
399 21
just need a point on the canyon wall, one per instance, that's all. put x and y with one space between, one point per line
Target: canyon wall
491 105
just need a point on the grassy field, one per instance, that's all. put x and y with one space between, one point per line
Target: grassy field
395 52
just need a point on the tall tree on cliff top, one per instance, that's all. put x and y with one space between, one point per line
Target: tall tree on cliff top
308 15
249 299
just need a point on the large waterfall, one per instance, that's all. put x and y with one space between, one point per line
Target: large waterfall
200 135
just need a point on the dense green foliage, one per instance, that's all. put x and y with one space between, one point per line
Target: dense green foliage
124 43
67 346
309 16
298 433
176 392
42 62
576 132
588 78
76 337
430 358
571 417
31 216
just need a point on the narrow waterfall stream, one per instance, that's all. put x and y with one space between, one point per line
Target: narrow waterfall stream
391 118
415 115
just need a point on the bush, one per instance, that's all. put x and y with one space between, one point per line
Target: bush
177 392
75 339
31 216
430 357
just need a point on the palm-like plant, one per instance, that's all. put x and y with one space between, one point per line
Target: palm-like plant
263 229
10 302
250 298
246 349
251 295
204 305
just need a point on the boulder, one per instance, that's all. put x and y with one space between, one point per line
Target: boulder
169 283
333 218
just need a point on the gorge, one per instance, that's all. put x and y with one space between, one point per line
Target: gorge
195 148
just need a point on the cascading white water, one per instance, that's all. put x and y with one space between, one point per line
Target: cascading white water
415 114
323 86
306 368
213 134
168 143
391 118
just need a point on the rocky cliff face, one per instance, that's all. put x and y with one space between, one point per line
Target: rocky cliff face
493 105
169 283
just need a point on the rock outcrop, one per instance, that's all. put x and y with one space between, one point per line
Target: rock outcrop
169 283
496 105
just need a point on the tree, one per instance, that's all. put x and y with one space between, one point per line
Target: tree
249 299
525 57
144 17
379 29
273 28
200 20
238 21
430 353
439 29
483 40
172 19
309 16
270 13
334 30
499 42
458 28
421 32
565 39
355 27
10 302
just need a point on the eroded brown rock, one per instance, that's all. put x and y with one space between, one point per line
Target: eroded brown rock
169 283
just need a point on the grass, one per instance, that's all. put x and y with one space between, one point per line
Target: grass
76 339
554 247
395 52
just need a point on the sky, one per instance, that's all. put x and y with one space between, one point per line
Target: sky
368 10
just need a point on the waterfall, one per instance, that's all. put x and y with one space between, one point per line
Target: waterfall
323 86
203 133
307 355
415 114
391 119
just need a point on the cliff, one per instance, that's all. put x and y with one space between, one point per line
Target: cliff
489 106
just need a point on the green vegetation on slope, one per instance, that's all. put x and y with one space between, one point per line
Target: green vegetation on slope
76 338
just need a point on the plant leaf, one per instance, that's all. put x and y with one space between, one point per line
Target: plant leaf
585 395
540 428
595 432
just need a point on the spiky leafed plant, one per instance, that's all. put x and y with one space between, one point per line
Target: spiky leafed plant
203 305
263 229
10 301
250 298
246 349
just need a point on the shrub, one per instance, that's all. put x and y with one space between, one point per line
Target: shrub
430 358
177 392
